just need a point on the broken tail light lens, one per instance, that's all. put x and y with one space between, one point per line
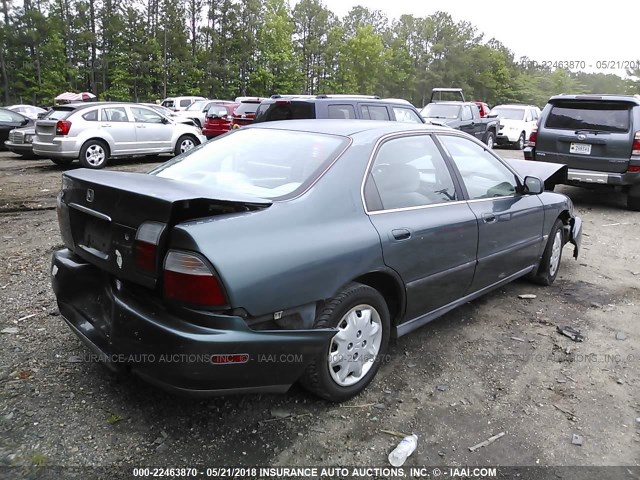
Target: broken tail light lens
189 280
146 246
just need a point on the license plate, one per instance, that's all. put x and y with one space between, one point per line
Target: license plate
580 148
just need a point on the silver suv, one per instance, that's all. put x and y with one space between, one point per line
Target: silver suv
95 132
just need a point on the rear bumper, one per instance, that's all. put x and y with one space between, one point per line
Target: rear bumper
592 177
59 148
507 137
130 331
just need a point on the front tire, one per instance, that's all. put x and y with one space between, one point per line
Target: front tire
94 154
519 145
184 144
633 198
352 358
550 262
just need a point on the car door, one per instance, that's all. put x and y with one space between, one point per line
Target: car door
428 236
153 133
114 121
466 120
510 224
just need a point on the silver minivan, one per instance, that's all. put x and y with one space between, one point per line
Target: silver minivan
95 132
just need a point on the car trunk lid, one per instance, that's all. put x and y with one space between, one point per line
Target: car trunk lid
587 134
101 214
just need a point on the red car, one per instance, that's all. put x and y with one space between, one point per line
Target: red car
246 112
218 119
484 108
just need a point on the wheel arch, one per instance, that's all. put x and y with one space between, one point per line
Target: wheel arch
389 285
104 141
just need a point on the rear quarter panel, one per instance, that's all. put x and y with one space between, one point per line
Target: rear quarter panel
297 251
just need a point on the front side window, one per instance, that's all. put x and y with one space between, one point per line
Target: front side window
114 114
484 176
466 113
145 115
406 115
265 163
410 172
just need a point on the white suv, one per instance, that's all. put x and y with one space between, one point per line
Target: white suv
516 123
94 132
179 103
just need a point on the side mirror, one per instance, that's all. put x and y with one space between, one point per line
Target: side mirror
165 120
492 115
533 185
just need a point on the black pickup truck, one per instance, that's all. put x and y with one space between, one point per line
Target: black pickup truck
463 116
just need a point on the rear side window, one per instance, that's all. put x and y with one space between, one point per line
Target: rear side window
341 111
186 102
91 116
114 114
600 116
375 112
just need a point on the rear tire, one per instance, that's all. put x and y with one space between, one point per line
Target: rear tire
519 145
550 262
352 358
633 202
62 162
184 144
490 140
94 154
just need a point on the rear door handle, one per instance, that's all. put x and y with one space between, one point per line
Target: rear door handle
488 218
401 233
106 125
140 126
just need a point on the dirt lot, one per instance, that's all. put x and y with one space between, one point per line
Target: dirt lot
494 365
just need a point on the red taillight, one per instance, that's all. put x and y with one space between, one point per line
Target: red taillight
146 246
633 169
188 279
635 150
533 137
63 127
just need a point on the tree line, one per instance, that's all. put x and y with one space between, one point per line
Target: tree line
144 50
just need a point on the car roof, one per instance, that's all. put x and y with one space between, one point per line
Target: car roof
515 105
635 99
347 127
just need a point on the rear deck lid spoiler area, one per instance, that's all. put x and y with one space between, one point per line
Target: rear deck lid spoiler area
545 171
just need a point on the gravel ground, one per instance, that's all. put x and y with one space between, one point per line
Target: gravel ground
494 365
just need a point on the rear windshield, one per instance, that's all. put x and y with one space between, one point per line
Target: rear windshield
58 113
509 113
439 110
285 110
263 163
247 107
599 116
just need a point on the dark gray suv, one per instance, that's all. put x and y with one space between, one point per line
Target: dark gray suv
364 107
597 137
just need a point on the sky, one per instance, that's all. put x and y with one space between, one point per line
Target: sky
543 30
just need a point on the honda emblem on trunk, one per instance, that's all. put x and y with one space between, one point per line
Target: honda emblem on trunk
90 195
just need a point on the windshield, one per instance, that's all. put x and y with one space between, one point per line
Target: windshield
197 106
440 110
599 116
509 113
263 163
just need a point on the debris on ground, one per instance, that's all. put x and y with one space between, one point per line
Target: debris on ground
621 336
571 332
527 296
518 339
576 439
441 388
488 441
10 330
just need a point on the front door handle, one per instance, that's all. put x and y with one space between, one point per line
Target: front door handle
401 233
488 218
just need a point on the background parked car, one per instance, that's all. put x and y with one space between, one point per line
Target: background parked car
179 103
197 111
20 141
218 119
364 107
30 111
463 116
95 132
245 113
597 137
10 120
516 123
